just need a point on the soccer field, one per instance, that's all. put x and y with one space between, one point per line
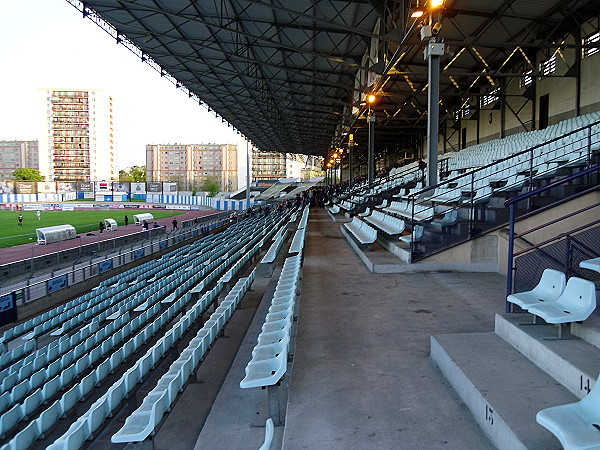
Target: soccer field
83 221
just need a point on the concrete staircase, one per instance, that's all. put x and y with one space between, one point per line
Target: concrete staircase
505 377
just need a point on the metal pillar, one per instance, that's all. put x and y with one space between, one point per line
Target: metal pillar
371 154
247 174
350 164
433 52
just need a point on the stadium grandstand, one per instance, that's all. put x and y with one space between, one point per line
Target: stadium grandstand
437 290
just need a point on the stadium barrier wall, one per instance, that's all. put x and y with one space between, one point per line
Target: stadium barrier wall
154 240
220 205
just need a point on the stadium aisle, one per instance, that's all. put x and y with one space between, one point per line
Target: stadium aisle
362 377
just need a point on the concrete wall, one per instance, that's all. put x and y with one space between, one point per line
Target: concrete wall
482 250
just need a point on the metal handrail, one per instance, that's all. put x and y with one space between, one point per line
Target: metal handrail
542 189
493 163
512 205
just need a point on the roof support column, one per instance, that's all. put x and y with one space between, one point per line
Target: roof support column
350 163
371 153
248 179
433 52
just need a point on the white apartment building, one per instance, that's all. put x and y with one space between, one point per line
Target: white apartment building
78 135
190 164
17 155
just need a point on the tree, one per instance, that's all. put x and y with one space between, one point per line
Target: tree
27 174
133 173
211 184
124 175
138 173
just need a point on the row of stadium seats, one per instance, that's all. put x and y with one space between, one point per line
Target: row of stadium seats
85 354
142 422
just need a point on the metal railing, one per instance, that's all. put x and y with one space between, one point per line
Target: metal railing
592 175
501 180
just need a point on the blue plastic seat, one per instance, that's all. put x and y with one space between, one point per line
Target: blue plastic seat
96 415
9 419
51 387
37 379
131 378
265 372
24 438
69 399
114 396
31 403
68 375
86 385
20 390
9 382
49 417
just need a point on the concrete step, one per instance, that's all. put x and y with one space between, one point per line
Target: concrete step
503 389
572 362
589 330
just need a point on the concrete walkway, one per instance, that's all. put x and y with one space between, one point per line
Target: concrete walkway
362 377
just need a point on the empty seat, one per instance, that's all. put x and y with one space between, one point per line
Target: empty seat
550 287
142 422
9 419
25 438
73 438
49 417
576 303
576 425
269 432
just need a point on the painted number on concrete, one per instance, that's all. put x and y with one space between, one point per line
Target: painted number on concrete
584 384
489 414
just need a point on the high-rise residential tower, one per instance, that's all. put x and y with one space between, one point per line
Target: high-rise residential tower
78 139
17 155
190 165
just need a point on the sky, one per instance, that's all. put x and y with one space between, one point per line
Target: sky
47 44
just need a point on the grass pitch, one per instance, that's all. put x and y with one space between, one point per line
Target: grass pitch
83 221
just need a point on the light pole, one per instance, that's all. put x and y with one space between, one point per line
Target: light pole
350 162
371 151
433 52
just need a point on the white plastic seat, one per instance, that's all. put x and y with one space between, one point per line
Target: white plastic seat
139 425
591 264
266 372
576 425
269 432
73 439
415 236
575 304
550 287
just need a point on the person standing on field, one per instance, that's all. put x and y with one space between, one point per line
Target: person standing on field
38 213
20 220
